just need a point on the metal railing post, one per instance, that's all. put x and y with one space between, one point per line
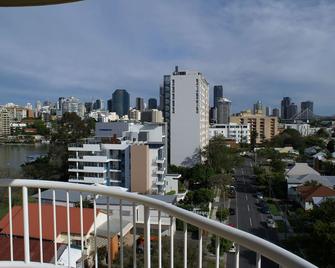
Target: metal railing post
147 246
25 224
258 260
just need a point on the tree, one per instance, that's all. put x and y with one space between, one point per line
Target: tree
225 245
331 146
219 156
322 133
222 214
253 138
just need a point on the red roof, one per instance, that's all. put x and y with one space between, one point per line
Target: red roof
47 221
18 249
308 192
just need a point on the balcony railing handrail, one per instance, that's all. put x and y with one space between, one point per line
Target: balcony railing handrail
247 240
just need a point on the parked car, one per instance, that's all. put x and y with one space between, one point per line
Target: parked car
265 209
270 223
233 248
231 211
259 195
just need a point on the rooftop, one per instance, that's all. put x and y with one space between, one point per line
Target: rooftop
47 227
308 192
301 169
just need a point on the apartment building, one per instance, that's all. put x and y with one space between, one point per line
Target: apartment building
240 133
186 110
124 154
4 122
266 127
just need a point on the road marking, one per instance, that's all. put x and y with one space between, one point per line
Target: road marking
246 197
248 208
250 222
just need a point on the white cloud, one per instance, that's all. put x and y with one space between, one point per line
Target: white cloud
262 49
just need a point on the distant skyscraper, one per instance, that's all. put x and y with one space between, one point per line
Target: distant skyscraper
73 105
285 103
189 122
139 104
307 110
60 103
292 111
152 103
275 112
258 107
307 105
120 102
267 111
4 122
213 114
88 107
223 111
218 93
99 104
110 105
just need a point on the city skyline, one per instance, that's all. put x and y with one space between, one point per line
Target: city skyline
256 50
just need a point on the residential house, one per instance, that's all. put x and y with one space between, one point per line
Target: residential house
310 195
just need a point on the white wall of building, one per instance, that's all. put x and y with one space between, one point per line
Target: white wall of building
189 116
241 133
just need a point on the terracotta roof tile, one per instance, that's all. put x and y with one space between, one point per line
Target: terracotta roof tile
18 245
308 192
47 221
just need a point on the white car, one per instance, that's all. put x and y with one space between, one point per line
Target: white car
270 223
233 248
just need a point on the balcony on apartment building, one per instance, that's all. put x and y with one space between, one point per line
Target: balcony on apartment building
60 224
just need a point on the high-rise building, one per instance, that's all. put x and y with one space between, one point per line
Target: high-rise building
152 103
307 105
73 105
139 104
258 107
268 111
4 122
88 107
275 112
307 112
285 103
292 111
266 127
213 115
218 93
223 111
110 105
120 102
99 104
189 111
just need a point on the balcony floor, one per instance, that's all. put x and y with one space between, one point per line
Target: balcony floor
19 264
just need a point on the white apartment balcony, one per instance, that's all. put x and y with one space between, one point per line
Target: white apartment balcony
160 160
205 226
87 169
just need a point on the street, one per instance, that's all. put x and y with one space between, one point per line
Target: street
248 218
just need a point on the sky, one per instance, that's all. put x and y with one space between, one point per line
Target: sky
257 49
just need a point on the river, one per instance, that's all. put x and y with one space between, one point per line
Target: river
13 156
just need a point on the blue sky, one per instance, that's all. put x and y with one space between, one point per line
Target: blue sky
261 49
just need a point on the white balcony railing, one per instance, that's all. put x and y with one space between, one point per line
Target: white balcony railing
262 247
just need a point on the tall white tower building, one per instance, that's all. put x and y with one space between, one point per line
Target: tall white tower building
189 116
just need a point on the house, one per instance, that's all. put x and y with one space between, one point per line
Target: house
114 205
295 174
308 194
18 253
61 227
